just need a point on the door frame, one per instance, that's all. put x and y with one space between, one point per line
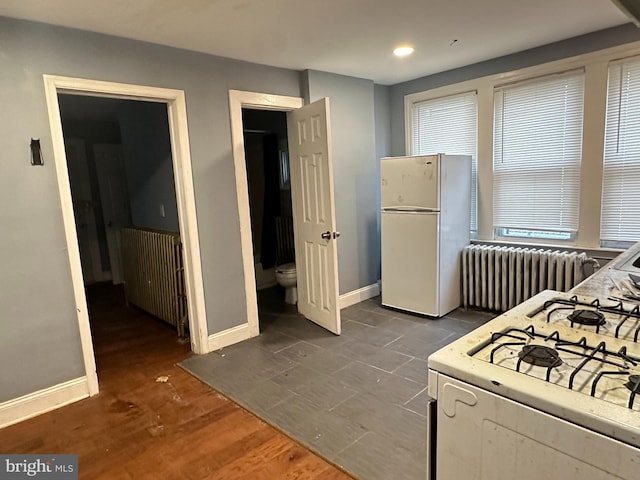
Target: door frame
258 101
178 131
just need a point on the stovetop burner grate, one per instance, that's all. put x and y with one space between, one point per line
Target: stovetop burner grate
593 314
633 383
550 358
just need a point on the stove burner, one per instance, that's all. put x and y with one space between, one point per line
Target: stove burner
633 382
587 317
540 356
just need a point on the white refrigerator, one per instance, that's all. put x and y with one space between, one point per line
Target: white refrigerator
425 223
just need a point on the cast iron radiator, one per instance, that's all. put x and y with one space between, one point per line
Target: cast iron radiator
499 278
285 249
154 274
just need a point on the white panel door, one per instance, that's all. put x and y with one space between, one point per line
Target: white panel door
314 214
410 261
114 197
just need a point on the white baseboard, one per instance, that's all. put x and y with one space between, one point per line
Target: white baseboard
229 337
243 332
360 295
42 401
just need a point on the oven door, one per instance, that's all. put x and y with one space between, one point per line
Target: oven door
431 438
483 436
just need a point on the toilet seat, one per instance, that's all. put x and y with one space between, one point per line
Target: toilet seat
286 269
286 276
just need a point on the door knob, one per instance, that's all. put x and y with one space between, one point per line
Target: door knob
336 234
326 235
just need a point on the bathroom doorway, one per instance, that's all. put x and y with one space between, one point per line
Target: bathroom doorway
312 192
269 187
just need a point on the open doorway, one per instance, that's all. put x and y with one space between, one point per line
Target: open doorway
173 102
269 186
268 178
122 185
313 205
121 174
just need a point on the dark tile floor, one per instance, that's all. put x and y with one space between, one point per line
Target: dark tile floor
358 399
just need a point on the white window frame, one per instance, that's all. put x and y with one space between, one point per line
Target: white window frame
595 65
517 170
474 93
604 238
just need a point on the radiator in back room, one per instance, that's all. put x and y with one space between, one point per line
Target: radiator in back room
285 249
499 278
154 274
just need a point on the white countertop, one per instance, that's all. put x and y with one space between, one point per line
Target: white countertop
599 284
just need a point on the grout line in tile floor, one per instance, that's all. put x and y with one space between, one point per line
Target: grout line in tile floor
341 402
353 443
392 341
417 394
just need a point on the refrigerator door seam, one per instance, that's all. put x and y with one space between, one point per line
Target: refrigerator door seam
409 210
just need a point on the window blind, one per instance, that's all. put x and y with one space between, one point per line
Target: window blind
620 220
536 154
449 125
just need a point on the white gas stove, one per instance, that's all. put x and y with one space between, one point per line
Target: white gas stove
551 387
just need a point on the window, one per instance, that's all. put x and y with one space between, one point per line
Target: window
537 147
449 125
620 220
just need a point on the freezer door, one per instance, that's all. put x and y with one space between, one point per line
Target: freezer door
410 261
410 182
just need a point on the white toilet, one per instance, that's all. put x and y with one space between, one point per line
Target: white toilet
286 277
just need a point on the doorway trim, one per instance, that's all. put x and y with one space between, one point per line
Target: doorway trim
259 101
177 115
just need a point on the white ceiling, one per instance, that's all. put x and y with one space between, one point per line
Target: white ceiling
349 37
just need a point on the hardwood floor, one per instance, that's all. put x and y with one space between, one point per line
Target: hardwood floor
140 427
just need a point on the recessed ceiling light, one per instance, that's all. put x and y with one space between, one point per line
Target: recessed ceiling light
403 51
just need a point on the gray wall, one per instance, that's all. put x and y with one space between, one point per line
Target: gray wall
547 53
382 110
146 145
354 173
40 343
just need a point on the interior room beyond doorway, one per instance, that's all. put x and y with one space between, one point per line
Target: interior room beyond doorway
269 187
120 166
